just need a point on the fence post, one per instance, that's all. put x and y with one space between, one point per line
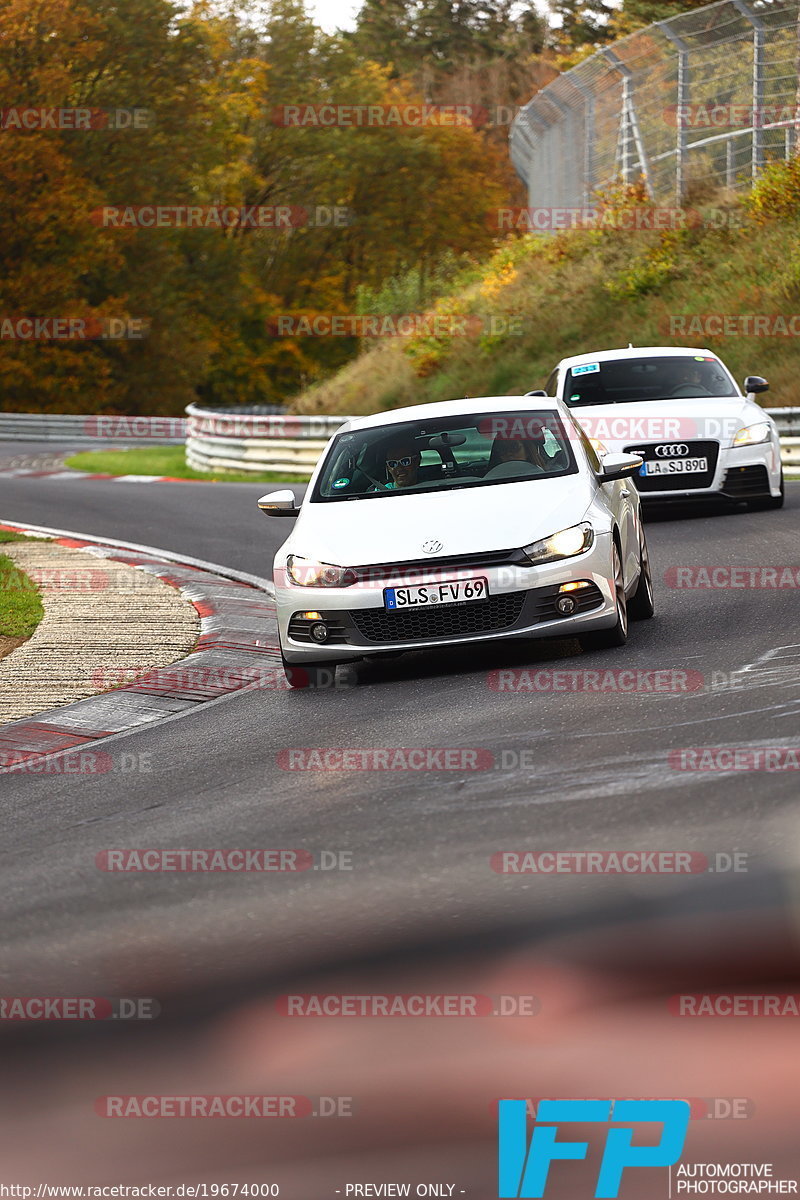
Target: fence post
588 139
684 81
758 84
630 120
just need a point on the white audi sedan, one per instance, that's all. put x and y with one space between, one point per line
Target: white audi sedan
681 410
455 523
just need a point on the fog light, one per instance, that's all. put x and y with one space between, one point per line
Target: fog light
319 631
566 605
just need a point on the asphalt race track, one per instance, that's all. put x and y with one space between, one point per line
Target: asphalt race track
572 770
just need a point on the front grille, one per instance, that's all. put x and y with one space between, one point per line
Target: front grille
446 620
376 572
742 482
676 483
465 620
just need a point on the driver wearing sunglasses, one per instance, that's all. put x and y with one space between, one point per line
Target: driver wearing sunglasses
402 465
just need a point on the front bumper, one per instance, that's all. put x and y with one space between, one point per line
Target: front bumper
521 604
739 473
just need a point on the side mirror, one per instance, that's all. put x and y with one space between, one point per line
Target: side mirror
619 466
754 384
536 393
279 504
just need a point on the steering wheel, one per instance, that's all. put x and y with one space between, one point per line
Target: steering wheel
688 391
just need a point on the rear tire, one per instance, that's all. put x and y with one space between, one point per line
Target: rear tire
640 605
317 675
617 635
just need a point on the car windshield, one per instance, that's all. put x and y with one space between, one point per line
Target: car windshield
431 454
671 377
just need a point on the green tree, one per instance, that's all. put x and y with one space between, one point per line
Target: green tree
635 14
582 23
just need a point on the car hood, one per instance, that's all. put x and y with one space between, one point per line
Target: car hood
648 421
470 521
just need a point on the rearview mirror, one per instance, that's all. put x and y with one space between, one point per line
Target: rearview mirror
754 384
619 466
279 504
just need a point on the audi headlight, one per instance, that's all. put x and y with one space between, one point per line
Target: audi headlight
753 434
565 544
307 572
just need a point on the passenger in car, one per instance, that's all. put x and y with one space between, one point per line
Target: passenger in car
518 450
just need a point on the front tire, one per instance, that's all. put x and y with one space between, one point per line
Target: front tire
640 605
617 635
317 675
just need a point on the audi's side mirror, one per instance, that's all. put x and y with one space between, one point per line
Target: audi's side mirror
754 384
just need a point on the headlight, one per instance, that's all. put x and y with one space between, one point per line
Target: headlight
565 544
307 572
753 434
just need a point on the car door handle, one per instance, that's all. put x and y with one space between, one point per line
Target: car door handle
624 492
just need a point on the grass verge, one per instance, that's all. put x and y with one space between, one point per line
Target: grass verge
21 607
165 460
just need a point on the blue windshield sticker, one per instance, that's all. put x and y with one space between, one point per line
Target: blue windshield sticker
339 483
586 369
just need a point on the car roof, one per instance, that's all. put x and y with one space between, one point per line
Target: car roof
454 408
598 356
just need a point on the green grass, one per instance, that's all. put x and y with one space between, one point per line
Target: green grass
20 602
9 535
165 460
589 290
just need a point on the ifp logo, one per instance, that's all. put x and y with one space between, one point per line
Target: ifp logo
523 1170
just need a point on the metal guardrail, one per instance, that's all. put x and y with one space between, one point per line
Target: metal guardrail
91 431
254 440
705 98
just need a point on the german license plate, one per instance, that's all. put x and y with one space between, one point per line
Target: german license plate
675 466
461 591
